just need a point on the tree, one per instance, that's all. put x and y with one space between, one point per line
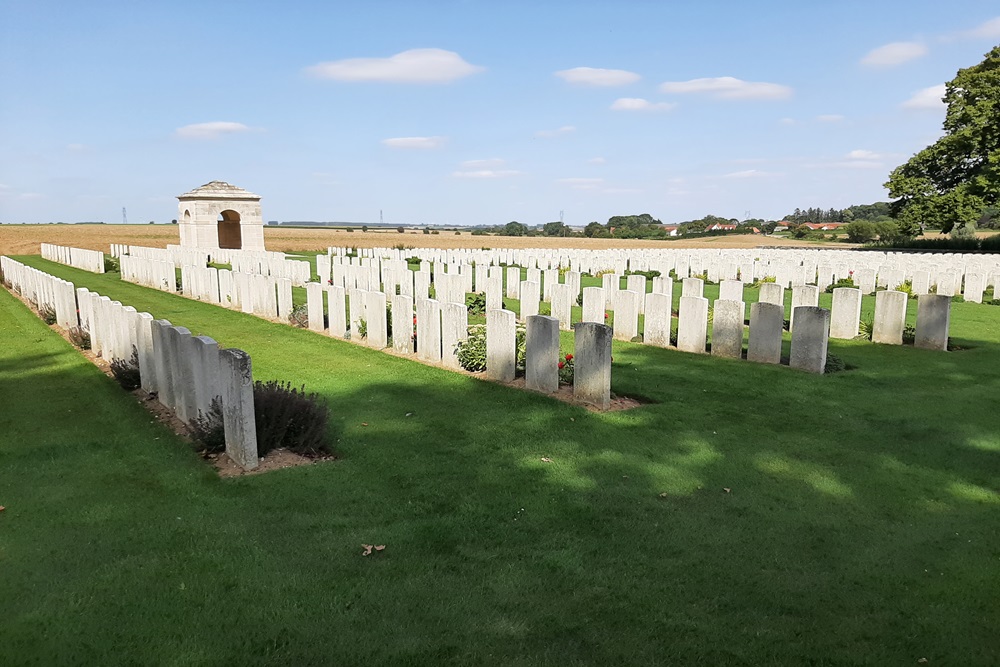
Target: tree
555 229
595 230
860 231
400 229
364 228
950 182
514 228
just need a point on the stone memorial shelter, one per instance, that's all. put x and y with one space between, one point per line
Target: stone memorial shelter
218 215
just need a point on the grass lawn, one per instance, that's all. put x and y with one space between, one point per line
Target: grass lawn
753 515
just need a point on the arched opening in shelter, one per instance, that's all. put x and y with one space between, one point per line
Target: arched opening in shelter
230 236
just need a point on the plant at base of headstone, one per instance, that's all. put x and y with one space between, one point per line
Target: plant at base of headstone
209 429
566 369
47 314
472 351
289 418
80 337
843 282
111 264
958 298
834 364
907 287
766 279
363 329
476 303
126 372
909 334
866 327
299 317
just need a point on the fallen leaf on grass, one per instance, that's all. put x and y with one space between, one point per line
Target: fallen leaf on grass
364 423
922 660
546 460
2 508
368 548
379 547
664 494
726 489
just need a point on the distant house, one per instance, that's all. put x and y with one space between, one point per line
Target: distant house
719 227
671 230
822 226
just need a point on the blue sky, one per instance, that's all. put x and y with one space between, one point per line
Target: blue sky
471 112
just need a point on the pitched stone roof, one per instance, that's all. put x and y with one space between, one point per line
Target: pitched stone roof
218 190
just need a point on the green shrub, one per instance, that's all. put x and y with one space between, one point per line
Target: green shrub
990 243
866 327
843 282
476 303
907 288
362 329
909 334
958 298
760 281
80 337
472 351
834 364
126 372
47 313
649 274
209 429
112 264
289 418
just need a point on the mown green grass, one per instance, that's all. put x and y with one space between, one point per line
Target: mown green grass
860 525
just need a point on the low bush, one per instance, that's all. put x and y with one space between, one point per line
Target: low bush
909 334
289 418
126 372
362 329
80 337
958 298
843 282
649 274
907 288
112 264
760 281
472 351
209 429
476 303
47 313
834 364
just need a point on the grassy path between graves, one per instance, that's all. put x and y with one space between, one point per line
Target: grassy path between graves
754 515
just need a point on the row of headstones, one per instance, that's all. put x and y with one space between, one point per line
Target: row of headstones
88 260
274 264
788 266
185 372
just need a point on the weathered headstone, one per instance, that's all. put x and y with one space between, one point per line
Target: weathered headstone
933 320
592 364
766 325
810 339
627 314
890 317
530 296
377 320
541 356
314 306
454 328
429 330
593 305
845 313
773 293
692 323
236 383
727 328
501 345
402 324
658 318
802 295
693 287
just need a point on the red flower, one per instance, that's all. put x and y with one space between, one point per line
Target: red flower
414 320
561 364
605 316
569 357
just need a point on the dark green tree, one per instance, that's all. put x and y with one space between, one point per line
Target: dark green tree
950 182
514 228
595 230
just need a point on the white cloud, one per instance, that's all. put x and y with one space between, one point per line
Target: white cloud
581 183
420 143
927 98
639 104
548 134
861 154
986 30
591 76
482 164
729 88
29 195
894 54
596 160
787 121
858 164
746 173
413 66
212 130
486 173
830 118
621 191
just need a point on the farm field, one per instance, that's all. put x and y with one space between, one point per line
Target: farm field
748 514
25 239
